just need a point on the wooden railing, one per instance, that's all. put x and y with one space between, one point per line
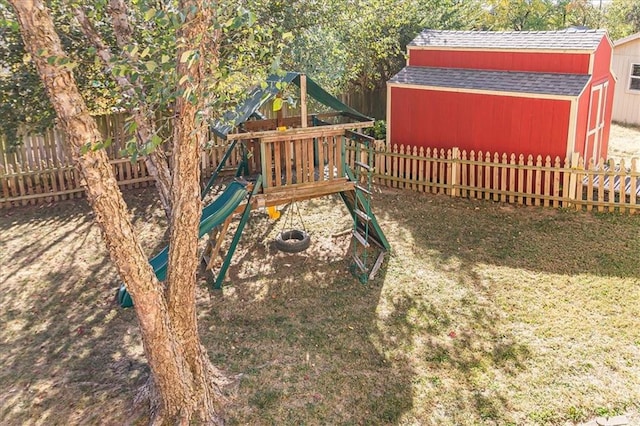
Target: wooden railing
302 158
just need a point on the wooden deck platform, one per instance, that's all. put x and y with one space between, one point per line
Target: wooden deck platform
285 194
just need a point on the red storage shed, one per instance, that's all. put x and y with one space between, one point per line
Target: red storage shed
540 93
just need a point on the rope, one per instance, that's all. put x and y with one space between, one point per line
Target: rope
293 205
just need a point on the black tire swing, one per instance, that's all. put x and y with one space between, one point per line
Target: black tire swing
292 240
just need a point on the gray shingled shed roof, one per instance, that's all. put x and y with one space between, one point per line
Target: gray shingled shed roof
501 81
546 40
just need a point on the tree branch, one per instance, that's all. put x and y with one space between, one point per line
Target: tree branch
118 11
156 161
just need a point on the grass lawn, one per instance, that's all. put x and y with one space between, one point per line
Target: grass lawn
484 313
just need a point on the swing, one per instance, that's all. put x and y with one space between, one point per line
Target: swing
292 240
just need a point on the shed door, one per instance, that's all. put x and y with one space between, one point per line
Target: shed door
597 107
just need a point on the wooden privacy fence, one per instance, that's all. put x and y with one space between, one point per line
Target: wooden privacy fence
50 182
36 151
509 178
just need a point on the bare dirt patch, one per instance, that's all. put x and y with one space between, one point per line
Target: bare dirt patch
482 314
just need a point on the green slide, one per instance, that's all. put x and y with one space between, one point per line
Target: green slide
212 215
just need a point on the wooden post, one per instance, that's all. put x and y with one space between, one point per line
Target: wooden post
573 179
303 100
265 162
634 182
279 115
455 166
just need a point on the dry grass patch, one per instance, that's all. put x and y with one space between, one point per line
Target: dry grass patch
483 314
624 141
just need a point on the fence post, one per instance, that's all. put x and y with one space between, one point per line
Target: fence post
573 178
455 173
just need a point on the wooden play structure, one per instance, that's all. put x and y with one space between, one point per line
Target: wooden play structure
287 159
302 156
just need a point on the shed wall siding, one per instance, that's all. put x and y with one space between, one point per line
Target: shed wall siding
573 63
479 122
626 106
602 61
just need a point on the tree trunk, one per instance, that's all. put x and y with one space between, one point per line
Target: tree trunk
185 394
190 134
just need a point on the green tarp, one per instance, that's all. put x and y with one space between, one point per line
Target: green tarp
259 96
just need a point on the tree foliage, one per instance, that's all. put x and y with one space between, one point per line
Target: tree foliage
345 46
249 51
23 103
623 18
358 44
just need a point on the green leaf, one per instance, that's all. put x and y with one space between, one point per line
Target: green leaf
150 65
156 141
164 59
183 80
69 65
149 14
185 56
145 52
130 126
277 104
288 36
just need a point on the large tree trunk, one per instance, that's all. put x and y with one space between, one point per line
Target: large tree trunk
190 134
185 394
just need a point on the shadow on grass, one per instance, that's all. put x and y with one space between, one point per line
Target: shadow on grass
68 354
314 346
453 339
421 344
298 332
297 329
530 238
443 318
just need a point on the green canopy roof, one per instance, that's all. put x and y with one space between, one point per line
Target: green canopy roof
259 96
